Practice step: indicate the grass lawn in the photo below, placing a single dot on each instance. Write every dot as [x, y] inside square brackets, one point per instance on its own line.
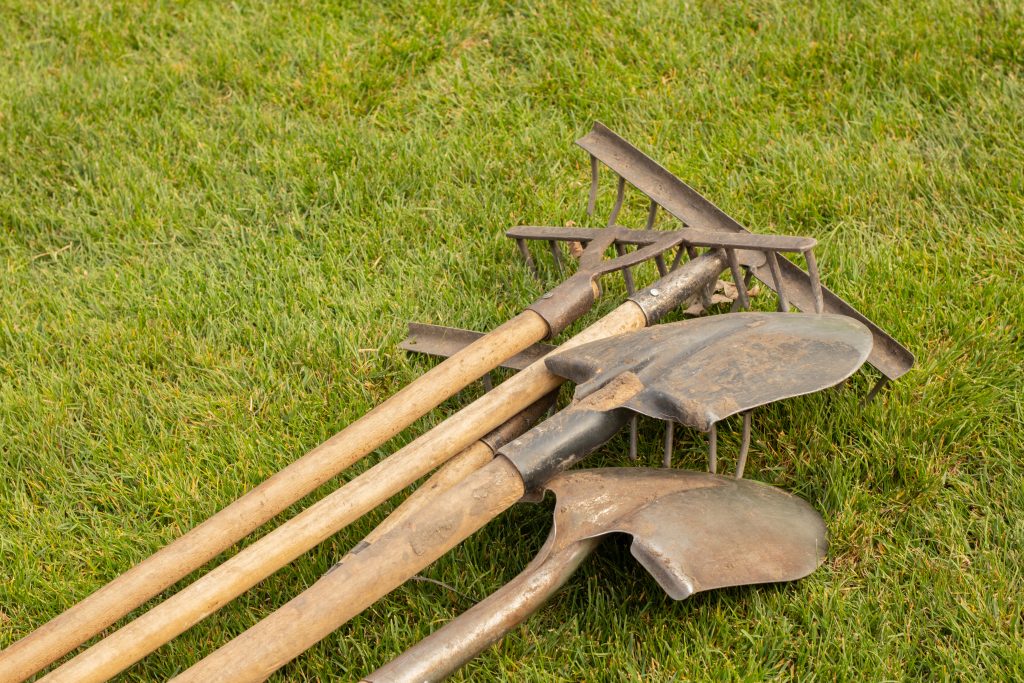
[216, 219]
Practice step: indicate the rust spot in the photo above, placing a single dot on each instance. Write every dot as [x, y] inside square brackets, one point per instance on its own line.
[612, 395]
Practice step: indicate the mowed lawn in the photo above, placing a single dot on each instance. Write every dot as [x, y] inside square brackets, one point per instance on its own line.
[216, 219]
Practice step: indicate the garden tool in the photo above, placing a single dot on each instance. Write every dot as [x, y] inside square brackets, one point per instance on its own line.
[692, 531]
[727, 247]
[699, 371]
[371, 488]
[546, 318]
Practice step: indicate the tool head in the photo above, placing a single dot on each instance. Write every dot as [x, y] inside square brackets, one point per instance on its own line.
[697, 372]
[692, 531]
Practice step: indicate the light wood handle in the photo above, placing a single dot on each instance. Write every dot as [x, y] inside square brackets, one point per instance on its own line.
[440, 482]
[362, 579]
[194, 549]
[329, 515]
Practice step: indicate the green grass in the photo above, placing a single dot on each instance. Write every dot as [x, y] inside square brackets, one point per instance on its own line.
[215, 220]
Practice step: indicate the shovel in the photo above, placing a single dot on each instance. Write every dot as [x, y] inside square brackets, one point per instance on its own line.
[692, 531]
[546, 318]
[695, 372]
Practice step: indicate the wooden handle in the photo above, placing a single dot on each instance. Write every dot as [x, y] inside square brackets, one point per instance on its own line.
[426, 496]
[362, 579]
[194, 549]
[328, 516]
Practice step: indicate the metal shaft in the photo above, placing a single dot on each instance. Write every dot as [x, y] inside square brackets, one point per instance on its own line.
[449, 648]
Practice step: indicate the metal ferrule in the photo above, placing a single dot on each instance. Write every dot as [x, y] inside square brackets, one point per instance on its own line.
[681, 285]
[564, 304]
[559, 443]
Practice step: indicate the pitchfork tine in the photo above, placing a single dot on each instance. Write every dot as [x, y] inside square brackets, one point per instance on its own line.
[741, 463]
[666, 460]
[713, 449]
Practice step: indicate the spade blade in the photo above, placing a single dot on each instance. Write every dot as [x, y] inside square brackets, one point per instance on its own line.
[697, 372]
[691, 530]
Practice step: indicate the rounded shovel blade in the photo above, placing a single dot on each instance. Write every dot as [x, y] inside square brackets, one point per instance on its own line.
[697, 372]
[691, 530]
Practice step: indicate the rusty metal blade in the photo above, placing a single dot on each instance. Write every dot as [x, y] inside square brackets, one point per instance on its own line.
[697, 372]
[693, 531]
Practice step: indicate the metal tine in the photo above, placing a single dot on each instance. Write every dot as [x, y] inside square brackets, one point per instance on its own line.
[879, 385]
[812, 270]
[556, 253]
[633, 423]
[592, 201]
[748, 275]
[773, 265]
[627, 272]
[670, 428]
[741, 289]
[741, 463]
[652, 213]
[713, 449]
[679, 257]
[620, 193]
[525, 251]
[659, 261]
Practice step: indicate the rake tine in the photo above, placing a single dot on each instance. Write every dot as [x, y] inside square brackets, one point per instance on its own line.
[812, 270]
[652, 213]
[620, 193]
[741, 290]
[744, 445]
[748, 276]
[592, 200]
[627, 272]
[677, 259]
[556, 254]
[525, 252]
[879, 385]
[659, 261]
[773, 265]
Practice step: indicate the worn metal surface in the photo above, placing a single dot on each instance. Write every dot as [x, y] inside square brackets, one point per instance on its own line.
[697, 372]
[684, 203]
[692, 531]
[694, 372]
[685, 283]
[566, 302]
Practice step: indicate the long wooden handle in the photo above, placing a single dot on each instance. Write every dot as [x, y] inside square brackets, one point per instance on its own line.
[349, 502]
[426, 496]
[329, 515]
[194, 549]
[362, 579]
